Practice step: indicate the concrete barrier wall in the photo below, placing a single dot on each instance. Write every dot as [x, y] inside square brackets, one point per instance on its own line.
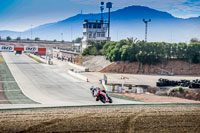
[78, 75]
[79, 67]
[108, 88]
[45, 61]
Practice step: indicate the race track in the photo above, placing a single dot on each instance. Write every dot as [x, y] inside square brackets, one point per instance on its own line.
[40, 83]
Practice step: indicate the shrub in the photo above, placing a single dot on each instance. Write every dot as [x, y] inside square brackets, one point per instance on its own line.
[180, 89]
[146, 52]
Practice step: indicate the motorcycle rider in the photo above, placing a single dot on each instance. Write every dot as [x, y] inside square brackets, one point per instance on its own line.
[95, 92]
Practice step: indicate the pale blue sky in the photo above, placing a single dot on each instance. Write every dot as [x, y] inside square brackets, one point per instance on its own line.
[19, 15]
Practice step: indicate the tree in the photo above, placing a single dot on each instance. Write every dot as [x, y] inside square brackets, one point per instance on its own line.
[85, 51]
[55, 40]
[8, 38]
[194, 40]
[132, 51]
[193, 54]
[28, 39]
[108, 47]
[37, 39]
[124, 53]
[18, 38]
[181, 51]
[77, 40]
[93, 50]
[145, 52]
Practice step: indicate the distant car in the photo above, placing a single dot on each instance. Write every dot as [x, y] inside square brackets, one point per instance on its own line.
[18, 52]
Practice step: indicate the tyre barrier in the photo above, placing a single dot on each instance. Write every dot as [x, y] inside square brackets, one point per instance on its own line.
[184, 83]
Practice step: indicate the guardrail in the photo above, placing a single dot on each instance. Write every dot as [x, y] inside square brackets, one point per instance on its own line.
[85, 69]
[78, 75]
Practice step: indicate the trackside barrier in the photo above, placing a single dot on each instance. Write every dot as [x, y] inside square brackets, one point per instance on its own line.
[43, 60]
[78, 75]
[85, 69]
[29, 49]
[108, 88]
[6, 48]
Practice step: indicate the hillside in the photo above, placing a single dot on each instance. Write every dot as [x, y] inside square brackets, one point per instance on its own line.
[178, 67]
[125, 23]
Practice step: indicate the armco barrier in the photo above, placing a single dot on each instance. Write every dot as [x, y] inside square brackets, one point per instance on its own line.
[78, 75]
[85, 69]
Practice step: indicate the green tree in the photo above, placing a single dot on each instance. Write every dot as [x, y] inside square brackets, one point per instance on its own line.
[194, 40]
[124, 53]
[93, 50]
[108, 47]
[18, 38]
[181, 51]
[193, 53]
[37, 39]
[85, 52]
[77, 40]
[132, 51]
[8, 38]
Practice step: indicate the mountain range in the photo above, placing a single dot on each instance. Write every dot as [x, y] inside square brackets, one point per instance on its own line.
[126, 22]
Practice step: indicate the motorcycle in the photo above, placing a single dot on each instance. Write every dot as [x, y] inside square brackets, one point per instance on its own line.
[102, 96]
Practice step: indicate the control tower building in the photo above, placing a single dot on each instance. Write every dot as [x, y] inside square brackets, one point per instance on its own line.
[95, 30]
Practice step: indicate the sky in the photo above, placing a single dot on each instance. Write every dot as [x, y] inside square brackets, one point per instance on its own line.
[19, 15]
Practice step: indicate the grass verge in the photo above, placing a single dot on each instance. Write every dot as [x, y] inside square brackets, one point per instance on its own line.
[36, 59]
[11, 90]
[2, 59]
[123, 97]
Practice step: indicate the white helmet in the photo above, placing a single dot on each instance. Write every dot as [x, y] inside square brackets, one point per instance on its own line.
[92, 87]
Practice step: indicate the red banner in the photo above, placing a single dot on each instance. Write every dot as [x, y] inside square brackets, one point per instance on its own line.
[40, 50]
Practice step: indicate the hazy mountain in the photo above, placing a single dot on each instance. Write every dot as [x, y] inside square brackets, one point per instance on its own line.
[126, 22]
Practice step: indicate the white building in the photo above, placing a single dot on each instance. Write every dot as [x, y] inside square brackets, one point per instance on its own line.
[94, 31]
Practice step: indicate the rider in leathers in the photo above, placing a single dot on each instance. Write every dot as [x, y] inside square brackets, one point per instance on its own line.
[95, 92]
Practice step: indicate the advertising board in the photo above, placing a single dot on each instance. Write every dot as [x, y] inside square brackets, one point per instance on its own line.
[6, 48]
[31, 49]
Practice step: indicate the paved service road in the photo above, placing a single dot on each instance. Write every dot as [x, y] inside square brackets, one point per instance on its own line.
[44, 85]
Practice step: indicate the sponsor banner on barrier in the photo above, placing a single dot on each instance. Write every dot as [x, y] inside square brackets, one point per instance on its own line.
[31, 49]
[6, 48]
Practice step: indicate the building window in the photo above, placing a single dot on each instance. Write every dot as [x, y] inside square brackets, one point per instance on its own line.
[90, 35]
[90, 25]
[94, 35]
[98, 34]
[102, 34]
[94, 26]
[99, 26]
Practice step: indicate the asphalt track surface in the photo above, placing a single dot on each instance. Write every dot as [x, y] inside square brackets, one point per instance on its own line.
[50, 88]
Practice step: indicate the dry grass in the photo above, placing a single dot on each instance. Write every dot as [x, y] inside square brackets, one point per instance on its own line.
[129, 119]
[155, 98]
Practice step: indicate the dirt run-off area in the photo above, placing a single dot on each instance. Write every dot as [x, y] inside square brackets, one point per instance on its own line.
[137, 118]
[151, 98]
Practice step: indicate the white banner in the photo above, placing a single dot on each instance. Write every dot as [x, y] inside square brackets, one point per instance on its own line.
[6, 48]
[31, 49]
